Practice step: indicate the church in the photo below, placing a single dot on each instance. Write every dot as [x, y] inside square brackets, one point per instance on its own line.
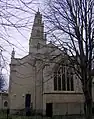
[42, 82]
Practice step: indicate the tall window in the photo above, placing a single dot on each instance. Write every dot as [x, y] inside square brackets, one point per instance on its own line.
[63, 79]
[38, 32]
[39, 21]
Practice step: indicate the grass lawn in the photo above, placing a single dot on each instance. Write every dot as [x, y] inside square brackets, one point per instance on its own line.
[13, 117]
[4, 116]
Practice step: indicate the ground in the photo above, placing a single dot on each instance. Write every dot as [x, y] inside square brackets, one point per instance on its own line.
[3, 115]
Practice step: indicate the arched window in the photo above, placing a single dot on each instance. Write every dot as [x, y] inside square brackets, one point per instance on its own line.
[38, 46]
[63, 79]
[5, 104]
[38, 32]
[39, 21]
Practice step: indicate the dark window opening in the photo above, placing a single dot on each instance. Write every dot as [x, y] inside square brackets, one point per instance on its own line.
[38, 46]
[72, 87]
[59, 83]
[38, 33]
[68, 84]
[55, 83]
[63, 82]
[39, 21]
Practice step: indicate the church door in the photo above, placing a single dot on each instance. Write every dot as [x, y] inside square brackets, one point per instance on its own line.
[49, 110]
[27, 104]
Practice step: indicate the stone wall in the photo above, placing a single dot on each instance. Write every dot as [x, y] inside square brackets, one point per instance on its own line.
[68, 103]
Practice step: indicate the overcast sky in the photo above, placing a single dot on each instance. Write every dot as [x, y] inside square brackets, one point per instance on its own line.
[17, 38]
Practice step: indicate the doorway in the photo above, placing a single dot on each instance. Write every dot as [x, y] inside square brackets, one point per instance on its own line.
[49, 110]
[27, 104]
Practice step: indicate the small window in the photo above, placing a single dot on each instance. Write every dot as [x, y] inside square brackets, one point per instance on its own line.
[38, 46]
[38, 32]
[39, 21]
[5, 104]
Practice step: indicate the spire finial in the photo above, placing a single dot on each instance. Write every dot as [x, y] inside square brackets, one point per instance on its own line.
[38, 9]
[13, 53]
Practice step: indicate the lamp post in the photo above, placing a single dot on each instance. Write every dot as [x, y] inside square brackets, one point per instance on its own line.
[1, 101]
[42, 91]
[35, 87]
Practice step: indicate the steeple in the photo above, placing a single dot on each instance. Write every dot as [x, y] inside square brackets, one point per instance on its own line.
[13, 54]
[37, 35]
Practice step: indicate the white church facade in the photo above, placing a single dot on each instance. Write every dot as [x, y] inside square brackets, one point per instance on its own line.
[42, 80]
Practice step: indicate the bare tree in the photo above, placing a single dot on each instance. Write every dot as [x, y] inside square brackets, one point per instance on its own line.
[72, 28]
[2, 78]
[15, 18]
[2, 82]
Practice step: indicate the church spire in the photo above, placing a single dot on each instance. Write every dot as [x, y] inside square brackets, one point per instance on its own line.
[13, 53]
[38, 18]
[37, 35]
[38, 9]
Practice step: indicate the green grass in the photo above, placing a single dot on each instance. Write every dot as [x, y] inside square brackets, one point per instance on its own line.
[14, 117]
[3, 115]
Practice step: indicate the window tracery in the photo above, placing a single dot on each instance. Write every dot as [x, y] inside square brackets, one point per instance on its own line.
[63, 79]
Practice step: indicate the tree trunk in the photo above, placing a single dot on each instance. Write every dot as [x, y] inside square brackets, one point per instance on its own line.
[88, 101]
[89, 109]
[87, 90]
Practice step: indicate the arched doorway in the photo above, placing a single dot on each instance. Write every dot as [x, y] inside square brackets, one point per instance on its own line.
[5, 104]
[27, 104]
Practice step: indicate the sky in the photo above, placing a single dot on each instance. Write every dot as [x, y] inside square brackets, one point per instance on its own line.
[18, 13]
[16, 20]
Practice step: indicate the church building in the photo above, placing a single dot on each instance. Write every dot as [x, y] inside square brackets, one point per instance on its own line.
[42, 82]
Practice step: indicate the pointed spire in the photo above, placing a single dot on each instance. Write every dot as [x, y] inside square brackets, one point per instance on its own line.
[38, 9]
[37, 34]
[38, 18]
[38, 13]
[13, 53]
